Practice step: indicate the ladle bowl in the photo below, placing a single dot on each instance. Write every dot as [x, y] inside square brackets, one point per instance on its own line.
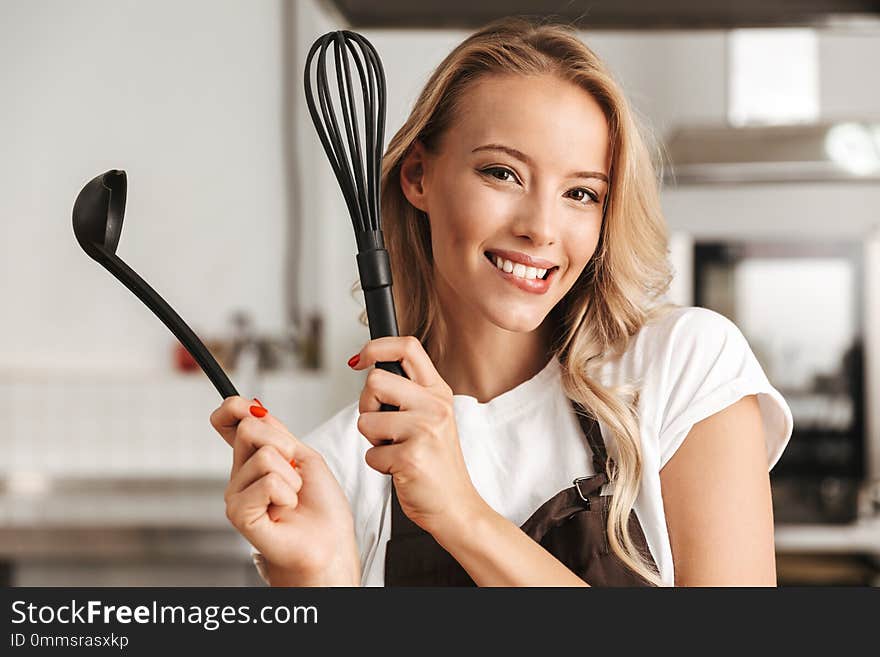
[97, 223]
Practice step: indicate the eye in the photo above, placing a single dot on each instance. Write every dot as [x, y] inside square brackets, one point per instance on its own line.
[500, 173]
[584, 194]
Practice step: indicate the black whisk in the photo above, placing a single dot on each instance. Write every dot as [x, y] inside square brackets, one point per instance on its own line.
[357, 162]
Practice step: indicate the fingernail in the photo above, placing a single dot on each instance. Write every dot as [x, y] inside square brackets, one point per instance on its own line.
[259, 402]
[292, 463]
[354, 360]
[258, 411]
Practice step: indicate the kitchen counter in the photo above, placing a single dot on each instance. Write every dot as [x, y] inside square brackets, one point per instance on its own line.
[163, 532]
[113, 502]
[862, 537]
[177, 521]
[116, 518]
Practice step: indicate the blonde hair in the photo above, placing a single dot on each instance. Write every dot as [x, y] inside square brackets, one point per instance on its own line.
[620, 288]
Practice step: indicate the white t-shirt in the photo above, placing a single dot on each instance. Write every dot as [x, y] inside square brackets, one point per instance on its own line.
[526, 445]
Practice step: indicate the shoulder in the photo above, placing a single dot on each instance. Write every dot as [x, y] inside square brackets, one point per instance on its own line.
[691, 352]
[683, 338]
[693, 362]
[696, 347]
[691, 327]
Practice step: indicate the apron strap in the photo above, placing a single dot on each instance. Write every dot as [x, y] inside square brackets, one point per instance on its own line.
[590, 427]
[401, 525]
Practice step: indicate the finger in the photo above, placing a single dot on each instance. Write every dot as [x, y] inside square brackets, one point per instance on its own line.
[278, 424]
[250, 507]
[268, 417]
[384, 458]
[265, 460]
[382, 428]
[252, 433]
[385, 387]
[406, 349]
[225, 419]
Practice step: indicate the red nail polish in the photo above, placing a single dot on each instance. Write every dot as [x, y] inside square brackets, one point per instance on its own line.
[258, 411]
[259, 402]
[292, 463]
[354, 360]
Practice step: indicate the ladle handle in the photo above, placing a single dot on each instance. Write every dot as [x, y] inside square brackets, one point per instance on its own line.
[128, 277]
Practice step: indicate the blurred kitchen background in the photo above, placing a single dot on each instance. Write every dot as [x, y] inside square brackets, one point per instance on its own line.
[768, 114]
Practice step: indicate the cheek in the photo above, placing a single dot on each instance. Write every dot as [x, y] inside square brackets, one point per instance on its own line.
[582, 238]
[465, 215]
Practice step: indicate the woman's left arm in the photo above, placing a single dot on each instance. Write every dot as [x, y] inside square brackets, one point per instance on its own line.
[716, 495]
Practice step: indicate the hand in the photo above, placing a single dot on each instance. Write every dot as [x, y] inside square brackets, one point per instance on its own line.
[425, 459]
[283, 498]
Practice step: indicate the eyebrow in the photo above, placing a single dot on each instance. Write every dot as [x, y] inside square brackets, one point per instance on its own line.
[525, 158]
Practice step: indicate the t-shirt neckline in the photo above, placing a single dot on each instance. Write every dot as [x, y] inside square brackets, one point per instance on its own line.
[515, 400]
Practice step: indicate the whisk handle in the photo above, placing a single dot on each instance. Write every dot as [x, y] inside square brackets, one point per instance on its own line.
[374, 269]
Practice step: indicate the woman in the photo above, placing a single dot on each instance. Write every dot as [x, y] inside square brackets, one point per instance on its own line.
[540, 437]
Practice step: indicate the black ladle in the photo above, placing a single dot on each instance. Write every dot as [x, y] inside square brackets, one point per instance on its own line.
[97, 224]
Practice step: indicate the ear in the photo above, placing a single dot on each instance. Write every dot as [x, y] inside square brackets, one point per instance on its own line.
[412, 176]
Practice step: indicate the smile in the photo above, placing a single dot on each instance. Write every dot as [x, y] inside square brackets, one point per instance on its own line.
[529, 279]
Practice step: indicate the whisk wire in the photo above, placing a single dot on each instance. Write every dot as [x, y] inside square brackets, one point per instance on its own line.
[377, 120]
[349, 114]
[356, 162]
[369, 95]
[328, 129]
[380, 117]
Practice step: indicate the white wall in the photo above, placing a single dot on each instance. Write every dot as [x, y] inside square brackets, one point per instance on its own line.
[185, 97]
[848, 77]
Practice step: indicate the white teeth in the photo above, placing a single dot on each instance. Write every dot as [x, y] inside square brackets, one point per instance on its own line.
[519, 269]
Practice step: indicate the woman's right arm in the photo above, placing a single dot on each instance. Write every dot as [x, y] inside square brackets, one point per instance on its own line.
[284, 500]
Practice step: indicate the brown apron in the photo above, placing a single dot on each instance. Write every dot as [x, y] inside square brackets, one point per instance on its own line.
[571, 526]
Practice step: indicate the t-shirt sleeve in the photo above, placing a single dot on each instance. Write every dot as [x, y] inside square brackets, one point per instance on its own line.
[260, 564]
[709, 365]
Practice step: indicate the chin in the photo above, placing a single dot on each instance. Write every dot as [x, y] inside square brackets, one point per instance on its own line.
[517, 322]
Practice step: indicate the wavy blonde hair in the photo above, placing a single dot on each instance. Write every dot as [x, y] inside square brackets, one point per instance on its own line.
[620, 288]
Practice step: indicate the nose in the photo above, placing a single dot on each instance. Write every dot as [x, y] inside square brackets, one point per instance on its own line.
[536, 219]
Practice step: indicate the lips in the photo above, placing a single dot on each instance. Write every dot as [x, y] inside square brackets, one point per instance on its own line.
[531, 285]
[537, 264]
[522, 258]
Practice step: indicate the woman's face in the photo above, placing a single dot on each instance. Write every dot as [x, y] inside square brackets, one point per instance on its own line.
[521, 173]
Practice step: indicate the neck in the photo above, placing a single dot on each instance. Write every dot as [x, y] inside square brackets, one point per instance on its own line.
[484, 361]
